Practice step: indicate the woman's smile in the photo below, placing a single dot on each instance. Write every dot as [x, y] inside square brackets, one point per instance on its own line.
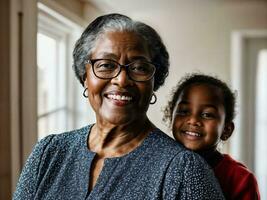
[119, 99]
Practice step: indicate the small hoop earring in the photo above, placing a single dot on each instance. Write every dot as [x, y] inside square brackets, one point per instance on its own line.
[155, 99]
[84, 92]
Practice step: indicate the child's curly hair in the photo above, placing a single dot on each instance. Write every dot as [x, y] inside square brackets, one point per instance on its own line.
[229, 100]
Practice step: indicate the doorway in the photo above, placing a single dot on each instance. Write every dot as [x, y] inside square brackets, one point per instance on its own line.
[249, 78]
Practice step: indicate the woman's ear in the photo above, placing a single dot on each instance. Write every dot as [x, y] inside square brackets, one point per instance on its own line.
[227, 131]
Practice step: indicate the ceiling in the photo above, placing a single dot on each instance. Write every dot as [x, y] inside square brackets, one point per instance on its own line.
[128, 5]
[149, 5]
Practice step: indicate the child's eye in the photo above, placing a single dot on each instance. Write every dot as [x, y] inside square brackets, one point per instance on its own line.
[182, 112]
[208, 115]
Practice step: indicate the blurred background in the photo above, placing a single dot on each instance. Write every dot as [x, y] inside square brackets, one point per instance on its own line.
[39, 94]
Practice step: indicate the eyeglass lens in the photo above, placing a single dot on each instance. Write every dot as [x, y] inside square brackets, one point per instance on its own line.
[138, 70]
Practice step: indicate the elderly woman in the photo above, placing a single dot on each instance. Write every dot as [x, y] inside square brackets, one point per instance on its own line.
[120, 62]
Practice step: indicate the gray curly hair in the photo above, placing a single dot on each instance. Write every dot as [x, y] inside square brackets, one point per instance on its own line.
[117, 22]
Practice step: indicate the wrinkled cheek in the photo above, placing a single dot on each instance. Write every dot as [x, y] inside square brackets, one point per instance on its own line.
[95, 102]
[146, 97]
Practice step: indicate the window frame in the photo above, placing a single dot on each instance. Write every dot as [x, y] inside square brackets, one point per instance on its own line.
[64, 31]
[243, 146]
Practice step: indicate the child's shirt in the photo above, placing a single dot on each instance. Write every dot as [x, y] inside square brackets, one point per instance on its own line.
[236, 181]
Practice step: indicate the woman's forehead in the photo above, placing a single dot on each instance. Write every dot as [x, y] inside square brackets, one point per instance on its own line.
[111, 42]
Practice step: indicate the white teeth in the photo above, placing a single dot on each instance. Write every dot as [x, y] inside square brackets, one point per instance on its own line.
[119, 97]
[193, 134]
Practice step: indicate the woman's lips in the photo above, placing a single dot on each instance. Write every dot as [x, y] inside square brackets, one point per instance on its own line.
[120, 99]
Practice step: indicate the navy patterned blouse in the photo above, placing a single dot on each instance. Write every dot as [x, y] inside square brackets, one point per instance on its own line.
[59, 168]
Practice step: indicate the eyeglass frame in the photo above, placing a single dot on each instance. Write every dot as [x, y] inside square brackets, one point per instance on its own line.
[93, 61]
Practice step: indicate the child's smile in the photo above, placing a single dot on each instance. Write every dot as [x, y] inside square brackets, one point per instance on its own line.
[201, 111]
[191, 135]
[198, 118]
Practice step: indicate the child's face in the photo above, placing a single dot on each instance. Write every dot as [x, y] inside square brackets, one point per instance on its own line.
[198, 117]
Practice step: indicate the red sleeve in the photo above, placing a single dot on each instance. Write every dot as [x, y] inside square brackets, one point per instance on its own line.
[246, 188]
[236, 181]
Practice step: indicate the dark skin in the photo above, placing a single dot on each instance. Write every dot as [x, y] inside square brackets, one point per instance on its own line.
[121, 123]
[199, 119]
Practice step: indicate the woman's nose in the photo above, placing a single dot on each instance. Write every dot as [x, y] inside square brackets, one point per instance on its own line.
[122, 79]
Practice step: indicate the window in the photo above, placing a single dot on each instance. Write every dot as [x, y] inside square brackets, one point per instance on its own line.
[52, 104]
[60, 102]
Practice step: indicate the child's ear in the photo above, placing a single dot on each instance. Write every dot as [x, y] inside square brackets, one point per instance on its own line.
[227, 131]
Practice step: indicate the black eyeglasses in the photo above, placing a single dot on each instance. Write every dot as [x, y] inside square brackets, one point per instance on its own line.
[138, 70]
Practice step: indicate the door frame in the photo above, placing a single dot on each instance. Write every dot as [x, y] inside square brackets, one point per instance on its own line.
[242, 143]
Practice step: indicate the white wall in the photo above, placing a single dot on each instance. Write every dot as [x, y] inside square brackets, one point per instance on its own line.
[196, 33]
[90, 12]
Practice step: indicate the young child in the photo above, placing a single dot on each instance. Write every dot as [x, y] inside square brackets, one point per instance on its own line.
[201, 113]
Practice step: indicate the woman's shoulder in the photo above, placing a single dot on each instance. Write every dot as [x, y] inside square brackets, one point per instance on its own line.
[63, 141]
[67, 137]
[182, 158]
[187, 172]
[166, 144]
